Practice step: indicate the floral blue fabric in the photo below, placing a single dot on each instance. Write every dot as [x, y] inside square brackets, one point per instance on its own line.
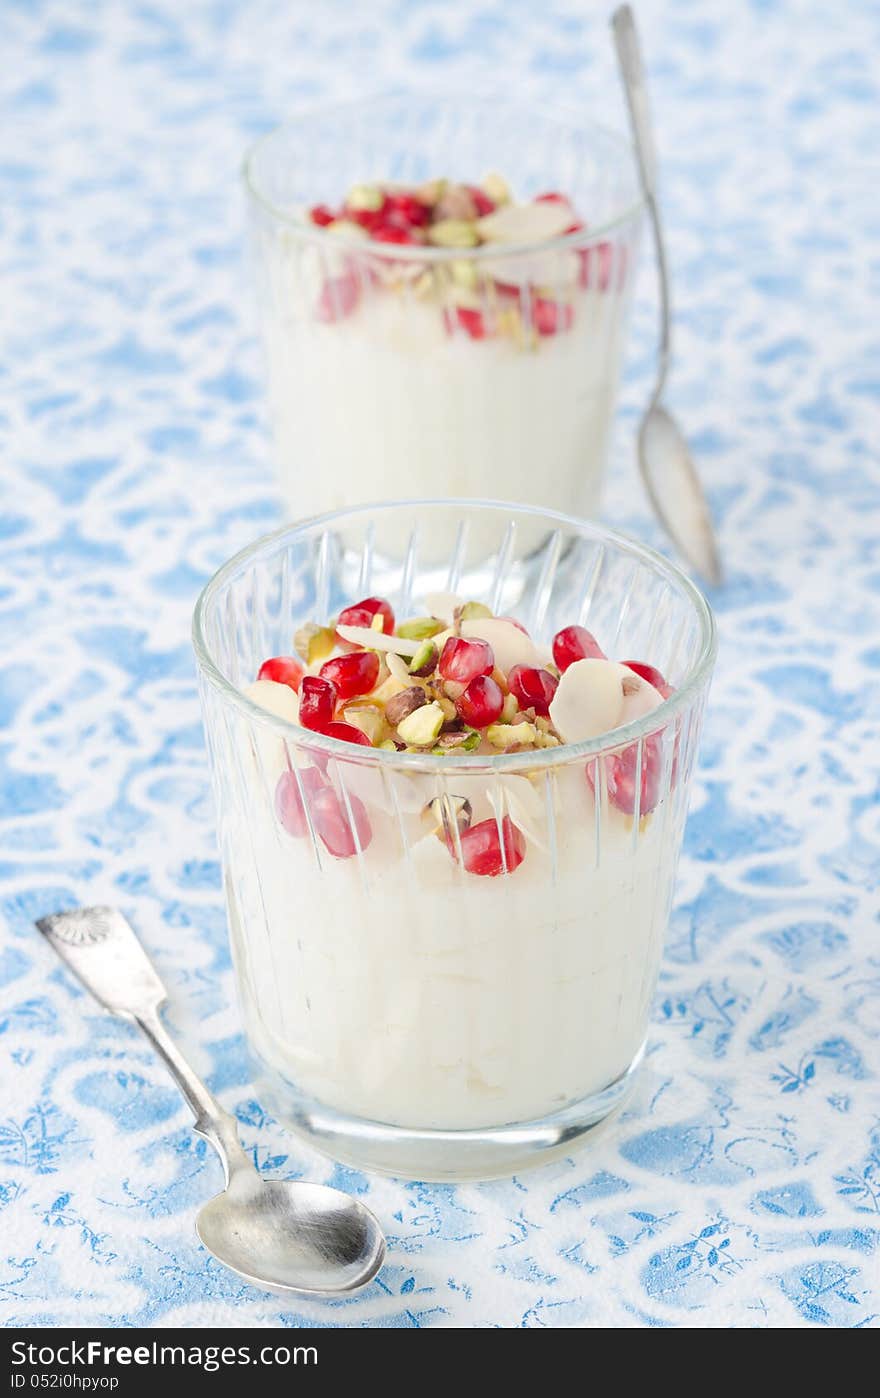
[742, 1186]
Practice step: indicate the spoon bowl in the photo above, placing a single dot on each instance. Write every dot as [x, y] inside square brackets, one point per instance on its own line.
[291, 1236]
[673, 487]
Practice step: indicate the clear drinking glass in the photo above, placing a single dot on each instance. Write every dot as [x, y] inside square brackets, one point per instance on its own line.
[407, 1015]
[399, 372]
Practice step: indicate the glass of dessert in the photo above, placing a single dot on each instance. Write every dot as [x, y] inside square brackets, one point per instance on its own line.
[443, 289]
[449, 821]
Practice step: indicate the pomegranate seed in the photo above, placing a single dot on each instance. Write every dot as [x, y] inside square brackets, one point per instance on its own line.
[463, 660]
[339, 298]
[317, 700]
[620, 776]
[347, 733]
[470, 320]
[288, 800]
[597, 266]
[551, 197]
[481, 847]
[352, 674]
[391, 233]
[551, 317]
[651, 674]
[283, 669]
[407, 210]
[532, 688]
[331, 821]
[576, 227]
[367, 218]
[482, 203]
[362, 613]
[575, 643]
[322, 215]
[481, 703]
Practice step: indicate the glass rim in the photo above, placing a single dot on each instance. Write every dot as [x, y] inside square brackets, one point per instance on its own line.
[539, 759]
[309, 232]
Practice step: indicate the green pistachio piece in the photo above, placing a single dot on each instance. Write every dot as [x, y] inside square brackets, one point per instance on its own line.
[314, 643]
[421, 727]
[474, 611]
[420, 628]
[503, 735]
[453, 233]
[424, 662]
[509, 709]
[367, 197]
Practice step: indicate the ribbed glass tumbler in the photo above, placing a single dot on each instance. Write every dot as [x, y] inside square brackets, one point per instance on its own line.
[407, 1015]
[403, 370]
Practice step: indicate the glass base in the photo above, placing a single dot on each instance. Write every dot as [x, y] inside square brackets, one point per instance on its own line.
[442, 1156]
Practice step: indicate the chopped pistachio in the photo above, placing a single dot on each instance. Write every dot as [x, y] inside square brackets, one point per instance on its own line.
[547, 740]
[448, 707]
[456, 742]
[347, 228]
[420, 628]
[314, 643]
[424, 662]
[422, 726]
[368, 718]
[509, 709]
[465, 274]
[403, 704]
[503, 735]
[497, 188]
[432, 191]
[453, 233]
[473, 611]
[367, 197]
[389, 745]
[445, 812]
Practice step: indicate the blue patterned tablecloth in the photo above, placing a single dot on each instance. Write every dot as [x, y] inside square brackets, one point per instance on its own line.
[742, 1187]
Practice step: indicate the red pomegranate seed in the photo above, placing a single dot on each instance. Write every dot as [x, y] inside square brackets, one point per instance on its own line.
[347, 733]
[367, 218]
[481, 847]
[575, 643]
[317, 700]
[391, 233]
[283, 669]
[651, 674]
[551, 317]
[352, 674]
[339, 298]
[551, 197]
[481, 703]
[482, 203]
[407, 210]
[463, 660]
[532, 688]
[331, 820]
[597, 266]
[620, 776]
[288, 800]
[322, 215]
[470, 320]
[362, 613]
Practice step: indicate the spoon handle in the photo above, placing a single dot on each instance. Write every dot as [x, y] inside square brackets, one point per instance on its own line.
[102, 950]
[629, 58]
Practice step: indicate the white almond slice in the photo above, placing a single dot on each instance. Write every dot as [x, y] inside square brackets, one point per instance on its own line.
[555, 271]
[398, 668]
[277, 699]
[525, 223]
[377, 640]
[442, 604]
[510, 646]
[589, 700]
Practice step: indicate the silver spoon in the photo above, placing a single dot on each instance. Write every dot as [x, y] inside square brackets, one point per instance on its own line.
[284, 1236]
[665, 463]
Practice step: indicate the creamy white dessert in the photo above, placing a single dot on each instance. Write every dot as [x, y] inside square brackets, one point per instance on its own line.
[486, 375]
[449, 950]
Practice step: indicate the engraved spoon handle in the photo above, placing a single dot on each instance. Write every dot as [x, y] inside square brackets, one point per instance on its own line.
[102, 950]
[629, 58]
